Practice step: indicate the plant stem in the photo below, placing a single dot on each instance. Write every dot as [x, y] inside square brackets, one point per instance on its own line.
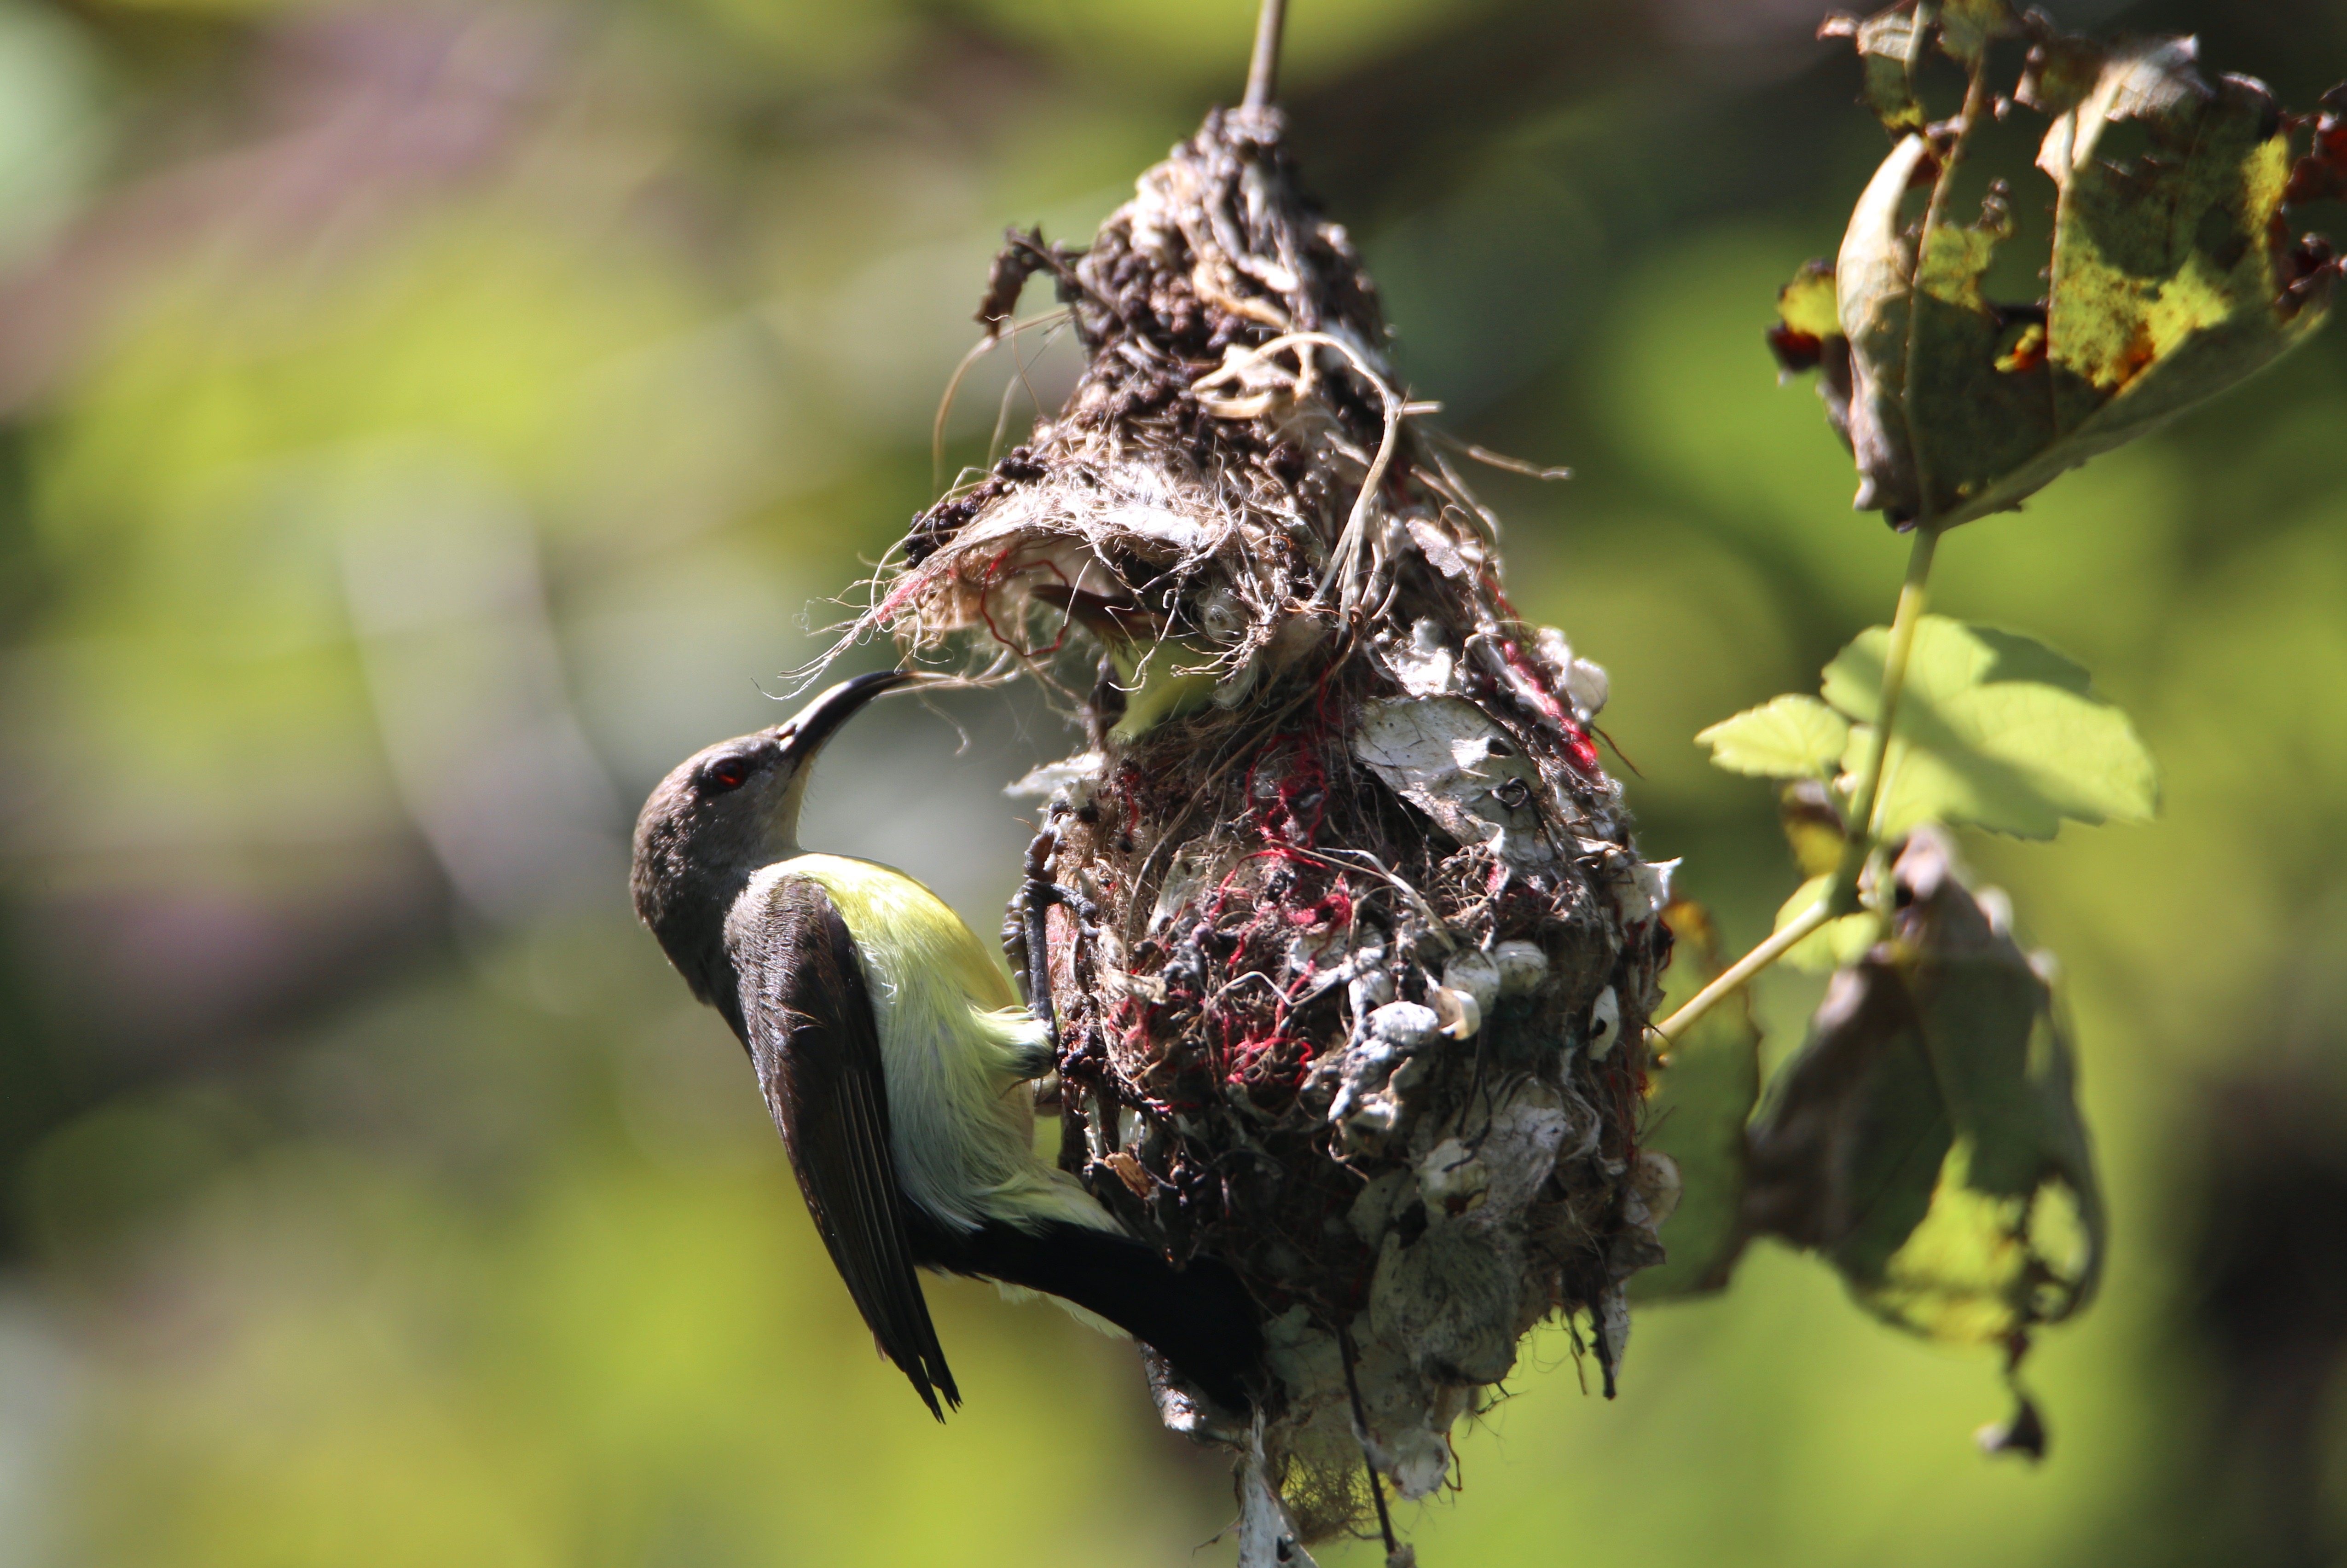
[1361, 1435]
[1842, 895]
[1866, 800]
[1732, 979]
[1862, 824]
[1263, 70]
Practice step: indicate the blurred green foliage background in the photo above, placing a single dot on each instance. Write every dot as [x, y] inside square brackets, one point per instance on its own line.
[425, 421]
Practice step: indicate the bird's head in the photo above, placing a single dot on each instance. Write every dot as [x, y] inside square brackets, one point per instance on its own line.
[727, 810]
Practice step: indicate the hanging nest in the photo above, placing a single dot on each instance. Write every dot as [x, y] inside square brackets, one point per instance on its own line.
[1353, 959]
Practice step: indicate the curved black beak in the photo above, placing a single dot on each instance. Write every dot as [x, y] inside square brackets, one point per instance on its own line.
[804, 735]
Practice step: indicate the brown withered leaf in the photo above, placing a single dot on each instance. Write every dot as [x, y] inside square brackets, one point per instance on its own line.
[1926, 1138]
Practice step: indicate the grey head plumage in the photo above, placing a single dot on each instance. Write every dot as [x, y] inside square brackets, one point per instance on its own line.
[720, 815]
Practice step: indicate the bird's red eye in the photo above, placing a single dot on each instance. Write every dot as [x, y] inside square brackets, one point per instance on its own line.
[726, 773]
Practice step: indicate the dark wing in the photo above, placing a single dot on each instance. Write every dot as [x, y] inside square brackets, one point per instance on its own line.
[807, 1018]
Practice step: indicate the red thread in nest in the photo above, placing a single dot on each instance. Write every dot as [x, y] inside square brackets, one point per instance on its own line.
[1128, 785]
[1233, 1058]
[911, 586]
[1239, 1041]
[992, 578]
[1299, 802]
[1334, 907]
[1577, 743]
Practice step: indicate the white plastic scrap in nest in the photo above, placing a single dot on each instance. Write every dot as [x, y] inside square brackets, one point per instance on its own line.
[1445, 756]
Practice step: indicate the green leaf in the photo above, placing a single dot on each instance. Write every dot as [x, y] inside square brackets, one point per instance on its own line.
[1837, 942]
[1703, 1091]
[2171, 276]
[1807, 305]
[1926, 1136]
[1994, 730]
[1967, 27]
[1787, 737]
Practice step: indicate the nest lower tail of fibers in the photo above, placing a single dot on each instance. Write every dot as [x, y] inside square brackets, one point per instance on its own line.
[1354, 991]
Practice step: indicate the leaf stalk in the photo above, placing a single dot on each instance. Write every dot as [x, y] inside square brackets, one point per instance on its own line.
[1733, 978]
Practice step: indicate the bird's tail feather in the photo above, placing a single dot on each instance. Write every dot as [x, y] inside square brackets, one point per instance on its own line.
[1199, 1318]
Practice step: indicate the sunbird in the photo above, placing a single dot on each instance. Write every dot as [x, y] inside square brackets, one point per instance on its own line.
[894, 1056]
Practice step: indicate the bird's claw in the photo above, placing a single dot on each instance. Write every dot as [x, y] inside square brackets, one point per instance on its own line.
[1026, 939]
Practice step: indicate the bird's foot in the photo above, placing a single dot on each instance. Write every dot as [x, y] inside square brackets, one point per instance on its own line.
[1026, 937]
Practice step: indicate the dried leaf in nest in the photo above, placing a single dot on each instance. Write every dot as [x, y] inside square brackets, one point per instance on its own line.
[2172, 275]
[1358, 992]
